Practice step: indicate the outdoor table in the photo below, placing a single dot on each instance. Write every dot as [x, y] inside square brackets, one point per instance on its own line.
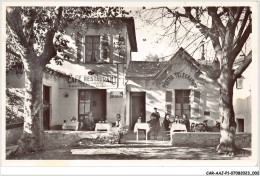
[103, 126]
[141, 126]
[70, 126]
[178, 127]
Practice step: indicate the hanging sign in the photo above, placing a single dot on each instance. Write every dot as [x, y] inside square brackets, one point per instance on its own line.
[116, 94]
[176, 76]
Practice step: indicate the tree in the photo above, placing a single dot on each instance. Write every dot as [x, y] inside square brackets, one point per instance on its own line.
[33, 32]
[151, 57]
[227, 29]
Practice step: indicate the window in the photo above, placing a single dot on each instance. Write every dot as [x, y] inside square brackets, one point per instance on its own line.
[182, 102]
[92, 52]
[169, 101]
[207, 113]
[196, 103]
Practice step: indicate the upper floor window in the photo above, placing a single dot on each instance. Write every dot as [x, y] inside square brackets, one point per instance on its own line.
[92, 52]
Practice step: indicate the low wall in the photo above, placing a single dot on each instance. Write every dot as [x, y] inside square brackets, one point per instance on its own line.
[13, 133]
[59, 139]
[206, 139]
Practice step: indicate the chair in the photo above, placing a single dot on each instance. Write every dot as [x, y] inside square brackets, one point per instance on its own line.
[165, 134]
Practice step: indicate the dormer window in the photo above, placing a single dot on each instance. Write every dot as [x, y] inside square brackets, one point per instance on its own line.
[92, 51]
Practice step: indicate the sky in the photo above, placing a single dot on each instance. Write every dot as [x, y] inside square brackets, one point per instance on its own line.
[148, 42]
[148, 35]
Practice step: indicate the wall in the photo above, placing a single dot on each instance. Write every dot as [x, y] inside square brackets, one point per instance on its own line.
[68, 105]
[115, 105]
[242, 101]
[204, 139]
[64, 139]
[13, 135]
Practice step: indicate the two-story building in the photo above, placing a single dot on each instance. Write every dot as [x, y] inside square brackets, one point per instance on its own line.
[91, 77]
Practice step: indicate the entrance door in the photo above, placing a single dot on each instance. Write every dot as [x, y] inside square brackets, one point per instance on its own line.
[98, 104]
[137, 107]
[46, 107]
[240, 125]
[92, 101]
[182, 102]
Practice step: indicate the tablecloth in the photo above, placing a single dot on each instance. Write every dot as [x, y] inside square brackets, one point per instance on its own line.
[103, 126]
[70, 126]
[178, 127]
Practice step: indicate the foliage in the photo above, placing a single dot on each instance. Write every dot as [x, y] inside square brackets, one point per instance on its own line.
[192, 27]
[14, 105]
[152, 57]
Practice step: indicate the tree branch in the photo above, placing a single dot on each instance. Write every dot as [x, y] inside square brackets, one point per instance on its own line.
[225, 10]
[49, 50]
[238, 72]
[212, 11]
[241, 30]
[241, 42]
[207, 32]
[14, 20]
[237, 15]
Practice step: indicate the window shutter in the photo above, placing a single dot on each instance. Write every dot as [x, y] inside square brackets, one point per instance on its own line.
[168, 97]
[195, 106]
[119, 47]
[79, 45]
[104, 47]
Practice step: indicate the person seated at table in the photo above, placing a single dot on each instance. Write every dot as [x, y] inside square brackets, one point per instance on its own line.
[153, 127]
[81, 123]
[89, 122]
[166, 122]
[192, 127]
[186, 122]
[64, 124]
[118, 121]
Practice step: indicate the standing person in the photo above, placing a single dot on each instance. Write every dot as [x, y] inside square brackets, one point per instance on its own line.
[156, 114]
[186, 122]
[120, 127]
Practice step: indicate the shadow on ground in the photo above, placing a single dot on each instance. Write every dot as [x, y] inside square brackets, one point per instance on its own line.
[123, 152]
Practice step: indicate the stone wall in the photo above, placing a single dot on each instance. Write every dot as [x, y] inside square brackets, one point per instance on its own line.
[59, 139]
[206, 139]
[13, 135]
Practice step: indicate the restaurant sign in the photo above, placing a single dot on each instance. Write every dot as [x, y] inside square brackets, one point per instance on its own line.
[116, 94]
[176, 76]
[92, 80]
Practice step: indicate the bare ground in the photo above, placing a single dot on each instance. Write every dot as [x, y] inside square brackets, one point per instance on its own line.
[130, 152]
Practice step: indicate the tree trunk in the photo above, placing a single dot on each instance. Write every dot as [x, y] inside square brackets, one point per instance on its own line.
[32, 137]
[227, 115]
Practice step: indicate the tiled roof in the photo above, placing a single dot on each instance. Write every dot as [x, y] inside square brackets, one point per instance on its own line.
[144, 68]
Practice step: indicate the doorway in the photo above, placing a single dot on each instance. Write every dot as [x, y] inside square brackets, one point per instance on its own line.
[46, 107]
[92, 100]
[182, 102]
[240, 125]
[137, 107]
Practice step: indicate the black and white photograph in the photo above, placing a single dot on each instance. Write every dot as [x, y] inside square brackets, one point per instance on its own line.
[130, 82]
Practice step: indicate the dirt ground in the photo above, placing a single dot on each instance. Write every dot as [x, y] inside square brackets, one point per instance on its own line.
[126, 152]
